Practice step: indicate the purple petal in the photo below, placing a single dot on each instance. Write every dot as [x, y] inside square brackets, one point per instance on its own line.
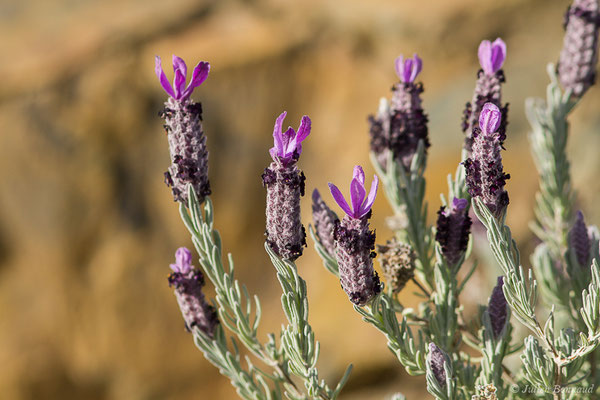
[371, 198]
[489, 118]
[339, 199]
[485, 55]
[459, 204]
[359, 174]
[164, 82]
[179, 84]
[179, 65]
[278, 140]
[183, 261]
[400, 67]
[498, 54]
[289, 141]
[357, 196]
[199, 75]
[303, 132]
[416, 68]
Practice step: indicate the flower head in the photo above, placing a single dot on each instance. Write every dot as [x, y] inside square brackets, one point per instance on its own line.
[492, 55]
[436, 358]
[580, 240]
[497, 308]
[288, 144]
[361, 203]
[490, 118]
[408, 69]
[183, 261]
[178, 91]
[453, 229]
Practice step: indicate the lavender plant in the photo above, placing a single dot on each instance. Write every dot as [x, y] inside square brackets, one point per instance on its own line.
[461, 357]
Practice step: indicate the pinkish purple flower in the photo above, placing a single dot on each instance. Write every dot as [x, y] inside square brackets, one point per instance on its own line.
[183, 261]
[361, 204]
[288, 144]
[408, 69]
[497, 308]
[492, 55]
[188, 283]
[436, 358]
[490, 118]
[179, 91]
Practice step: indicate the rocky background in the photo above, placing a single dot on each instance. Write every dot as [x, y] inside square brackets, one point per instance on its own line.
[88, 228]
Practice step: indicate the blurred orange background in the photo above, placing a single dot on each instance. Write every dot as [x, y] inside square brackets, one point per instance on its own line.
[88, 228]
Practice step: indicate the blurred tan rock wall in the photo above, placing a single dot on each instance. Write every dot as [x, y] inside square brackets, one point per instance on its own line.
[88, 228]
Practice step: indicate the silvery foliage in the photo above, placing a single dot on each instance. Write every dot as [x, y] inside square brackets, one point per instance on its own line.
[297, 353]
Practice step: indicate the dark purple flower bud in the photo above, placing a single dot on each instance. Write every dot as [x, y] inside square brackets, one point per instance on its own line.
[187, 147]
[580, 241]
[487, 90]
[188, 283]
[407, 70]
[485, 176]
[285, 185]
[398, 264]
[361, 203]
[491, 55]
[324, 219]
[436, 358]
[400, 127]
[497, 308]
[178, 91]
[354, 243]
[453, 228]
[579, 55]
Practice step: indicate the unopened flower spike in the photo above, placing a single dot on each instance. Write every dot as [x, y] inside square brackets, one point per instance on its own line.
[488, 89]
[436, 358]
[354, 242]
[325, 220]
[398, 264]
[183, 123]
[497, 308]
[188, 283]
[285, 185]
[453, 229]
[485, 175]
[580, 241]
[579, 55]
[399, 127]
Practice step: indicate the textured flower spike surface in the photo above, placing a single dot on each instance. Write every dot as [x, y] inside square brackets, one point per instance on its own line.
[285, 185]
[580, 241]
[398, 264]
[453, 229]
[436, 358]
[579, 55]
[325, 220]
[488, 89]
[399, 127]
[188, 283]
[354, 241]
[485, 174]
[497, 308]
[183, 123]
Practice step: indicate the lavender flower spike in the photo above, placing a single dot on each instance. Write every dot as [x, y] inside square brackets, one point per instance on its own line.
[188, 284]
[178, 91]
[491, 55]
[497, 308]
[400, 127]
[436, 358]
[579, 55]
[354, 241]
[408, 69]
[580, 241]
[183, 123]
[325, 220]
[285, 185]
[453, 229]
[485, 176]
[488, 89]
